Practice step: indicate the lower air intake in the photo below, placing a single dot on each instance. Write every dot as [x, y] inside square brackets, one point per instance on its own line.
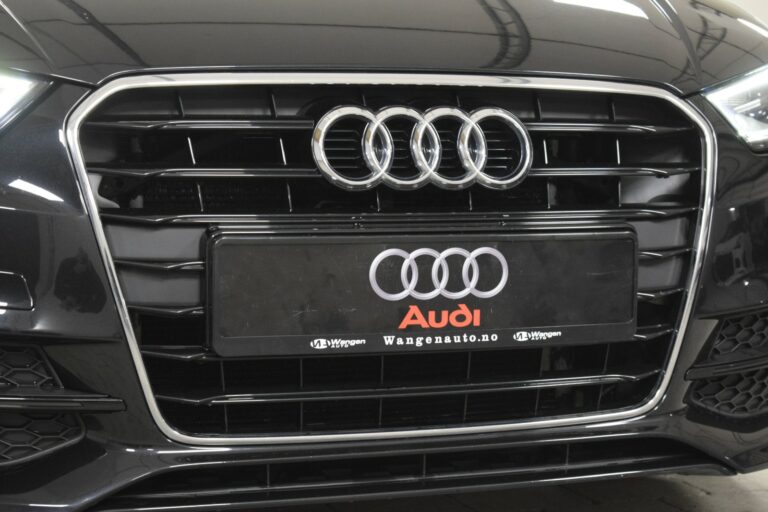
[26, 374]
[253, 484]
[740, 338]
[24, 366]
[736, 396]
[26, 436]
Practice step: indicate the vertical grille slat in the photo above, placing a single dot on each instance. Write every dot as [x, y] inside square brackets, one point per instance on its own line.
[167, 165]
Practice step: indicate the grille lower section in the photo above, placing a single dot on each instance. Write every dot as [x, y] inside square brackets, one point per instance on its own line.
[167, 164]
[250, 484]
[211, 394]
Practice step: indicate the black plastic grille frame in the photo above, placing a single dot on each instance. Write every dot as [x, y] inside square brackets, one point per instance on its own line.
[168, 164]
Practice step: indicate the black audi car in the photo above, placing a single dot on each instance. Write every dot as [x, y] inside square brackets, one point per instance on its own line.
[293, 251]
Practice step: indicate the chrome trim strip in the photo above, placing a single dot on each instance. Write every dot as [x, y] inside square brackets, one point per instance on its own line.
[78, 116]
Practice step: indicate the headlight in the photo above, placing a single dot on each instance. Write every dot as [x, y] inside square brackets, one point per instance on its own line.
[16, 93]
[744, 103]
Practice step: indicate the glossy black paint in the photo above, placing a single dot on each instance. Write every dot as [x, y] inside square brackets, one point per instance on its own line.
[740, 226]
[49, 240]
[686, 45]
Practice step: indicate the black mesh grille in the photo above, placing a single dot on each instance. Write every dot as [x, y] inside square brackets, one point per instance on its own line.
[730, 385]
[740, 338]
[24, 366]
[738, 395]
[169, 164]
[367, 392]
[25, 372]
[24, 436]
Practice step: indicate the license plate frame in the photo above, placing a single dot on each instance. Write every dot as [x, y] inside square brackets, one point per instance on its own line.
[226, 339]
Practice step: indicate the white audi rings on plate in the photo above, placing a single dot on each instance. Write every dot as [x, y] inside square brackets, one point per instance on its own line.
[378, 148]
[409, 273]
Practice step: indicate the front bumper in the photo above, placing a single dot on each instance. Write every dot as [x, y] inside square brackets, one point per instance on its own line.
[76, 322]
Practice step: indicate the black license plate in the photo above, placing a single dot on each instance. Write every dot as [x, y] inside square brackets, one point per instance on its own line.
[314, 295]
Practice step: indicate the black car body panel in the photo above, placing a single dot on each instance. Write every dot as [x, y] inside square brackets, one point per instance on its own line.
[685, 45]
[50, 240]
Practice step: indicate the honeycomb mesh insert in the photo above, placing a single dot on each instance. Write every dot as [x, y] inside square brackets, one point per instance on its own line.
[739, 395]
[24, 367]
[741, 337]
[25, 436]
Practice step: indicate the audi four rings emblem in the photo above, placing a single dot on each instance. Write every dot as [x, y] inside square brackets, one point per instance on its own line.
[378, 148]
[409, 273]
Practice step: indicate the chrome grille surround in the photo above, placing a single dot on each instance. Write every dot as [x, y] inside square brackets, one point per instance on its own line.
[77, 118]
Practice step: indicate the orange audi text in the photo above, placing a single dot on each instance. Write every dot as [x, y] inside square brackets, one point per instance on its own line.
[462, 316]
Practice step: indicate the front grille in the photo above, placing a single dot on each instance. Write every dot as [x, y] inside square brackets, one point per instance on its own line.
[168, 163]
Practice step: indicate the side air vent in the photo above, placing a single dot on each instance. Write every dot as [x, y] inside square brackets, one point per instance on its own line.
[26, 436]
[24, 367]
[737, 396]
[730, 382]
[37, 413]
[169, 164]
[741, 337]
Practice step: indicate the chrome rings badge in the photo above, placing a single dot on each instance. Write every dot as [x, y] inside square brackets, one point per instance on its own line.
[378, 148]
[409, 273]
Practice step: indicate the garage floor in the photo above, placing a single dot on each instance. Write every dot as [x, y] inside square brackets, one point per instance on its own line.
[747, 493]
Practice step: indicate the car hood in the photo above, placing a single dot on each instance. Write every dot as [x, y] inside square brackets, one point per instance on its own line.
[684, 45]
